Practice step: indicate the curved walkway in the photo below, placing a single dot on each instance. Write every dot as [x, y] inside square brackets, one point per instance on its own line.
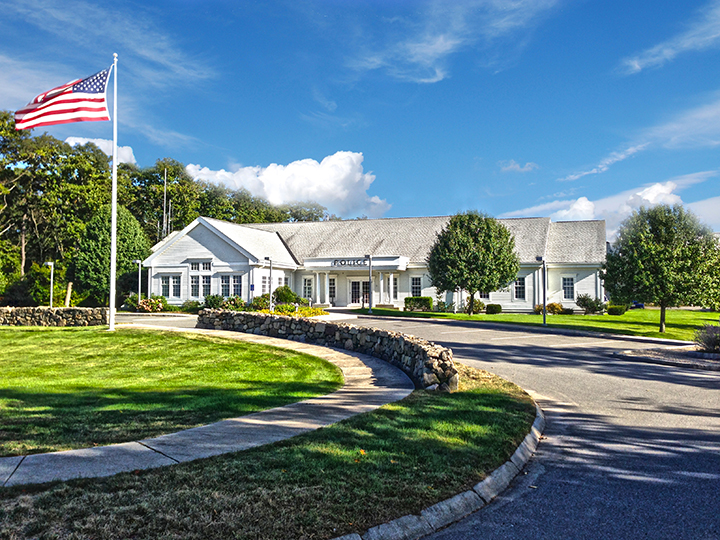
[369, 384]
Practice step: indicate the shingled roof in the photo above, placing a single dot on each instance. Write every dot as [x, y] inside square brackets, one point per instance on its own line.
[574, 241]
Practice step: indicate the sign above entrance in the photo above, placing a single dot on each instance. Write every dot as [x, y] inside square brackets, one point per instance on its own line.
[349, 262]
[380, 263]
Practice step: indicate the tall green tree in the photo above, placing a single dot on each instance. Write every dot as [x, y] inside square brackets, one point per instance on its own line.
[663, 255]
[475, 253]
[91, 265]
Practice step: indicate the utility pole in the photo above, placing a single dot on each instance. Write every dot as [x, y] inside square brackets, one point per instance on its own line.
[164, 229]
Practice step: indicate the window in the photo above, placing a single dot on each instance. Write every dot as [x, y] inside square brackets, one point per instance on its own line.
[416, 286]
[225, 285]
[331, 287]
[264, 284]
[287, 281]
[237, 285]
[280, 281]
[307, 287]
[568, 285]
[485, 296]
[206, 285]
[206, 266]
[176, 286]
[194, 267]
[195, 286]
[520, 288]
[165, 282]
[366, 291]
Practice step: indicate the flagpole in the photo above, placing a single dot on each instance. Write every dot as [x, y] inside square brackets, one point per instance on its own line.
[113, 218]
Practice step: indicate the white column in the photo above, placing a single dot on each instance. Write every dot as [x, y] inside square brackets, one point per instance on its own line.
[327, 288]
[391, 288]
[382, 288]
[317, 287]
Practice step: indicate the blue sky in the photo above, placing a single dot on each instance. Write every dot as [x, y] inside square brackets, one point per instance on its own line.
[568, 109]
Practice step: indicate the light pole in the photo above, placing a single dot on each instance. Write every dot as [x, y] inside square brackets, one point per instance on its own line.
[544, 278]
[271, 282]
[52, 276]
[370, 287]
[139, 263]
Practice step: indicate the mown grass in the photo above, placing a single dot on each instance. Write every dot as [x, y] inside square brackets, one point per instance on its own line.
[347, 477]
[75, 388]
[680, 324]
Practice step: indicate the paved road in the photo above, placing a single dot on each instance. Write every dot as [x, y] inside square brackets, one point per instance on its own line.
[632, 449]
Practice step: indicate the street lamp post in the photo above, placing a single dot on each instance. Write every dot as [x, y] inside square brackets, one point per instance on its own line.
[544, 282]
[370, 284]
[52, 276]
[139, 263]
[271, 283]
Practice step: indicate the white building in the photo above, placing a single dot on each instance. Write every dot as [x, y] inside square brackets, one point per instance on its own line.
[326, 261]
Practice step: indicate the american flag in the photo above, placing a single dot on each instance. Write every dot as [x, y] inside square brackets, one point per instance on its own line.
[81, 100]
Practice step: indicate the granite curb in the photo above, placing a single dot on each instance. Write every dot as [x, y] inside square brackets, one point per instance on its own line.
[694, 362]
[444, 513]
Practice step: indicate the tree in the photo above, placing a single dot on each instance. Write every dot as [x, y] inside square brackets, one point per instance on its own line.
[473, 252]
[663, 255]
[91, 265]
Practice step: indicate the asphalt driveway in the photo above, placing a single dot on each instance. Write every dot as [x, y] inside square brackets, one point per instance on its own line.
[632, 450]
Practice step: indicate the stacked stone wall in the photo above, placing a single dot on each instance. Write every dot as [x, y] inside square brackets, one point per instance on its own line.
[428, 365]
[46, 316]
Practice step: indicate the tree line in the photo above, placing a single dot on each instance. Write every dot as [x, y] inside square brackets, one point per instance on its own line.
[51, 192]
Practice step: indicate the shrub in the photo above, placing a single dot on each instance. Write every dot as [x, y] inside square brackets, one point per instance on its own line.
[131, 302]
[213, 301]
[567, 311]
[259, 303]
[285, 295]
[477, 306]
[190, 306]
[303, 311]
[444, 307]
[418, 303]
[285, 309]
[154, 304]
[616, 310]
[589, 304]
[538, 309]
[233, 303]
[493, 309]
[554, 308]
[707, 338]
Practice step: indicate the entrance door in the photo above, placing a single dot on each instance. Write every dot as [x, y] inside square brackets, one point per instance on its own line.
[354, 292]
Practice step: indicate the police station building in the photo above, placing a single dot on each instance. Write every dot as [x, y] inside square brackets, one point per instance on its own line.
[327, 261]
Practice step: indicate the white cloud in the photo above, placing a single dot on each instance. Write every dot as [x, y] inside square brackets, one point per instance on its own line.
[338, 182]
[697, 127]
[606, 162]
[419, 52]
[702, 34]
[125, 153]
[615, 208]
[513, 166]
[708, 211]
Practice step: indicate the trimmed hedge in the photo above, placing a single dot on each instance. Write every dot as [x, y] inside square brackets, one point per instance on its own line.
[493, 309]
[616, 310]
[418, 303]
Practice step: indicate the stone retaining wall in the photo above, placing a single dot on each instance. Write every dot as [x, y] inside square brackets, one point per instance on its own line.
[427, 364]
[46, 316]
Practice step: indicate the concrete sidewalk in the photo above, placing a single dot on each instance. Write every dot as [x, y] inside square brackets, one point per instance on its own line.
[369, 384]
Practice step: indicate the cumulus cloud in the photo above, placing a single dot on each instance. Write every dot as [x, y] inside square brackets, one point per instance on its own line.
[513, 166]
[338, 182]
[125, 153]
[703, 33]
[615, 208]
[708, 211]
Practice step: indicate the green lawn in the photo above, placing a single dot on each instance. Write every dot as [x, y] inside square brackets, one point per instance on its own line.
[680, 323]
[75, 388]
[344, 478]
